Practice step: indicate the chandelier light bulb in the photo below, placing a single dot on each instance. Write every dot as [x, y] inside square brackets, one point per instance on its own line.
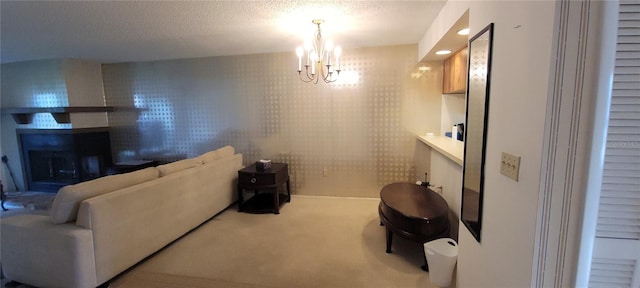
[300, 53]
[338, 53]
[314, 59]
[328, 48]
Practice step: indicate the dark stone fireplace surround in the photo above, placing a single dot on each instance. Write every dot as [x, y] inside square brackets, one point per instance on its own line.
[53, 158]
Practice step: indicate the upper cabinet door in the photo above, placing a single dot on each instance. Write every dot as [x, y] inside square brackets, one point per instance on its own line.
[455, 73]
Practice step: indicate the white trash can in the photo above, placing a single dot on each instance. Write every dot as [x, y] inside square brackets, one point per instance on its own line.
[442, 255]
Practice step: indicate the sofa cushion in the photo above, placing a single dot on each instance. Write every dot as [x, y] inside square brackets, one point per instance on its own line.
[217, 154]
[65, 206]
[174, 167]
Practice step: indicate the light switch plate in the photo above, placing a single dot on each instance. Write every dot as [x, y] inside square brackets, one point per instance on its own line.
[510, 166]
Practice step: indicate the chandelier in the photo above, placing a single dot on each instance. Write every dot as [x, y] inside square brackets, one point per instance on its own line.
[322, 60]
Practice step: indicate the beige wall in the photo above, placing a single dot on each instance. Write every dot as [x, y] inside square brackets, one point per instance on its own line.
[360, 132]
[345, 139]
[84, 88]
[520, 74]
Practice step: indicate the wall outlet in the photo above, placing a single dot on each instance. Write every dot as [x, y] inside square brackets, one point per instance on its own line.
[510, 166]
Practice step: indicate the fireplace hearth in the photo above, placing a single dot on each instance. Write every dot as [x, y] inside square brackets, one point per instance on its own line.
[53, 158]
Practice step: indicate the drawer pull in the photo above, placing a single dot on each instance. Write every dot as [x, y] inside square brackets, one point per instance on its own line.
[253, 180]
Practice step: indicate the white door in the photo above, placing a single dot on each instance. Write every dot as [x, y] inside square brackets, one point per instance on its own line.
[616, 253]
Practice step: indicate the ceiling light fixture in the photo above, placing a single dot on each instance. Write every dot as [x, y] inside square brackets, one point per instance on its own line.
[464, 31]
[320, 58]
[443, 52]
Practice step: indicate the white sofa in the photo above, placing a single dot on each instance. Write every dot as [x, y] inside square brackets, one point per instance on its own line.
[99, 228]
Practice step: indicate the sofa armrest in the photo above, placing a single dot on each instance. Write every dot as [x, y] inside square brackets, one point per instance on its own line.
[37, 252]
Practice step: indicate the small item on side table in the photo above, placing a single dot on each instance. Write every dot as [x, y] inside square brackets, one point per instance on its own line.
[263, 164]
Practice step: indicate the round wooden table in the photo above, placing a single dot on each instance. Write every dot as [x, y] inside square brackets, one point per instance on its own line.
[414, 212]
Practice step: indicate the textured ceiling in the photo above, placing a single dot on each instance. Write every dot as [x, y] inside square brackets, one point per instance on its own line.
[124, 31]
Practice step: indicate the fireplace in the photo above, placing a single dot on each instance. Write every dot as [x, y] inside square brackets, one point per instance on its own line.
[53, 158]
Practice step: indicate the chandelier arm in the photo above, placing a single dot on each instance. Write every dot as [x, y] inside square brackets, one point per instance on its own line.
[328, 78]
[310, 77]
[314, 78]
[331, 80]
[306, 78]
[302, 79]
[337, 73]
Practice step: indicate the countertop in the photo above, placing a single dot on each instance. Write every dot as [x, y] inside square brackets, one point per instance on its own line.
[450, 148]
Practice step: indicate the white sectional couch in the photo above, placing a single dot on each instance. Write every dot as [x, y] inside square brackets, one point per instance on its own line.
[98, 229]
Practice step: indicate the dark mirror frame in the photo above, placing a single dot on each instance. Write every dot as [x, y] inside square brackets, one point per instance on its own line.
[479, 59]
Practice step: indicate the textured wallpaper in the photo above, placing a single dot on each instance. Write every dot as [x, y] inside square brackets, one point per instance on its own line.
[348, 138]
[34, 84]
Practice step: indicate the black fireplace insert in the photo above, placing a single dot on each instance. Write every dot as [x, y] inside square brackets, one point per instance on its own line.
[53, 158]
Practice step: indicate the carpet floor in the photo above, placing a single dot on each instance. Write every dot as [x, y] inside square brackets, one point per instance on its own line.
[27, 203]
[314, 242]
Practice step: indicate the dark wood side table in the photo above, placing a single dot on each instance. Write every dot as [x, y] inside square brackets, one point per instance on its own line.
[271, 180]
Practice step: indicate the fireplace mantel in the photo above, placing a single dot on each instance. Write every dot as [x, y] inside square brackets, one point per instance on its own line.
[24, 115]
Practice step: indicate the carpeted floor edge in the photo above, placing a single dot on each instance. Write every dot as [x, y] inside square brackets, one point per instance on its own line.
[143, 279]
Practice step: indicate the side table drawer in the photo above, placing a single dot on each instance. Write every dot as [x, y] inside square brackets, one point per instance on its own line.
[257, 179]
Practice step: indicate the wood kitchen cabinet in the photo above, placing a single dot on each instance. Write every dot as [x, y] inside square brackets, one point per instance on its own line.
[455, 73]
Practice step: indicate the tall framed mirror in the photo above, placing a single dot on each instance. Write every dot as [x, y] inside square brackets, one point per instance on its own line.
[479, 76]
